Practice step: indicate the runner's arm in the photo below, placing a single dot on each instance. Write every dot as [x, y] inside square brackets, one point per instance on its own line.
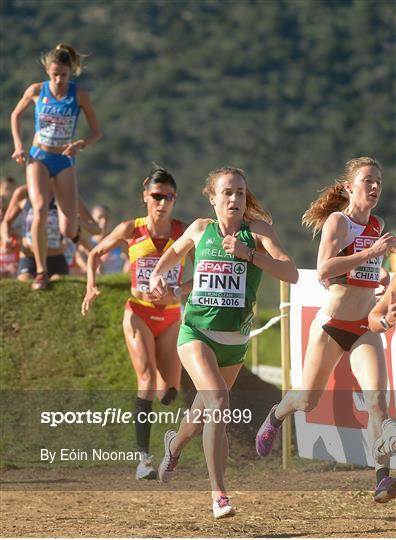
[172, 256]
[95, 134]
[117, 237]
[384, 309]
[16, 126]
[12, 212]
[334, 233]
[274, 260]
[86, 219]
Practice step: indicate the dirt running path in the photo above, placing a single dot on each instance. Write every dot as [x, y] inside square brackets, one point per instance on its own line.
[35, 506]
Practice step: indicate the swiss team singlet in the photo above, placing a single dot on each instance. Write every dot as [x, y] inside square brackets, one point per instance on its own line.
[361, 237]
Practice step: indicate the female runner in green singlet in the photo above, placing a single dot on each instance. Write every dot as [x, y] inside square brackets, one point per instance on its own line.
[231, 253]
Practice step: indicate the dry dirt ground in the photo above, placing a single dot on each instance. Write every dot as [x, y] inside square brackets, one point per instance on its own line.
[110, 503]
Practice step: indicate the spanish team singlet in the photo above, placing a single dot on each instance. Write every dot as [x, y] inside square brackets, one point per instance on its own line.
[225, 287]
[144, 253]
[359, 238]
[56, 120]
[53, 231]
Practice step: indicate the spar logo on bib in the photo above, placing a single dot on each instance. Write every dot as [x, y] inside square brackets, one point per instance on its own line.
[370, 270]
[220, 283]
[239, 268]
[144, 268]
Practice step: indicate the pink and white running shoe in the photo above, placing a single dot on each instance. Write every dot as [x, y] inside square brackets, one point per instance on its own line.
[266, 435]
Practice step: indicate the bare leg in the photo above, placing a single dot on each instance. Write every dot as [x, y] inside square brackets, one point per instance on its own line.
[25, 277]
[141, 347]
[66, 193]
[168, 361]
[189, 429]
[321, 357]
[38, 182]
[200, 362]
[369, 367]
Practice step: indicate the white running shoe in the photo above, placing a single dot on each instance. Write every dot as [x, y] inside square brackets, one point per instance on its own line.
[385, 446]
[222, 507]
[169, 462]
[145, 469]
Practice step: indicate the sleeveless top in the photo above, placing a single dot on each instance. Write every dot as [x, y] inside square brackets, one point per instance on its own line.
[53, 231]
[360, 237]
[9, 259]
[144, 253]
[56, 120]
[225, 287]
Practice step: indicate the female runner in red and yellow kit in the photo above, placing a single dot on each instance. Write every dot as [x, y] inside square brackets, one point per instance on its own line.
[151, 326]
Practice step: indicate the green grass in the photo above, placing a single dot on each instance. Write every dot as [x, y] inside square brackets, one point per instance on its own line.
[269, 348]
[47, 344]
[52, 358]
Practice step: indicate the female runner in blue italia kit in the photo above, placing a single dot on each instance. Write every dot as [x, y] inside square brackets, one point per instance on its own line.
[231, 253]
[349, 262]
[57, 105]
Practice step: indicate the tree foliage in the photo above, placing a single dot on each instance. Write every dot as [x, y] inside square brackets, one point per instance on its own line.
[286, 89]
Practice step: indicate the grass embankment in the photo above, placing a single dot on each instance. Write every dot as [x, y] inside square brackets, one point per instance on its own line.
[49, 345]
[55, 359]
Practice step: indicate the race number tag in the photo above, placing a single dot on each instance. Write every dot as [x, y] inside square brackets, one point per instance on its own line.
[144, 268]
[370, 270]
[56, 128]
[53, 232]
[220, 284]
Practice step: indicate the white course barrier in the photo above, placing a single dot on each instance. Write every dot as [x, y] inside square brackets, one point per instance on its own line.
[269, 374]
[268, 324]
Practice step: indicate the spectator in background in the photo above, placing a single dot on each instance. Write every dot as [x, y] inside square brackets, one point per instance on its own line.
[7, 187]
[9, 254]
[116, 259]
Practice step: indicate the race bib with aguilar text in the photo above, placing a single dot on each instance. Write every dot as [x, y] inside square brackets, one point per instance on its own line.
[144, 268]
